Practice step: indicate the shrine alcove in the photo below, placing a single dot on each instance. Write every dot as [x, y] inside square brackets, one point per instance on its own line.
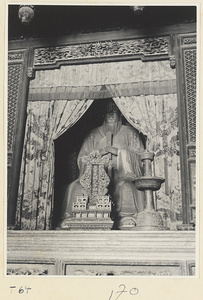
[67, 148]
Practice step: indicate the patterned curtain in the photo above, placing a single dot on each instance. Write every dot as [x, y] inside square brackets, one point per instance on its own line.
[46, 121]
[156, 117]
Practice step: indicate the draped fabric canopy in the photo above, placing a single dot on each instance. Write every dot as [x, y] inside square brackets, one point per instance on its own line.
[157, 118]
[153, 113]
[46, 121]
[91, 75]
[103, 80]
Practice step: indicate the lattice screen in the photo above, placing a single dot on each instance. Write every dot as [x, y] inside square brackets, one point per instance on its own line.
[190, 80]
[189, 69]
[14, 73]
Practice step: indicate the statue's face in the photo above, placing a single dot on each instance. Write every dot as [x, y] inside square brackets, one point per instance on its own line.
[112, 117]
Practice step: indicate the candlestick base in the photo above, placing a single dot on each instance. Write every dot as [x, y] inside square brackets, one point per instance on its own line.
[149, 221]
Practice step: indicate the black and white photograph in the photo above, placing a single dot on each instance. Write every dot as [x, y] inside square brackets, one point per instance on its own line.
[102, 142]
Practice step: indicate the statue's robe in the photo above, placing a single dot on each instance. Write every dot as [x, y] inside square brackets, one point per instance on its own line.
[127, 200]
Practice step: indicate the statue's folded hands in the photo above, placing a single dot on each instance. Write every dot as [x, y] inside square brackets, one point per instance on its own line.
[103, 151]
[112, 150]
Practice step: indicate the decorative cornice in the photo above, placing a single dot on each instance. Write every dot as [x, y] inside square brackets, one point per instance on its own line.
[140, 48]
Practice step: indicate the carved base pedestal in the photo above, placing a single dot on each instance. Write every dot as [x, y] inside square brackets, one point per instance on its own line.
[94, 215]
[87, 224]
[149, 220]
[127, 223]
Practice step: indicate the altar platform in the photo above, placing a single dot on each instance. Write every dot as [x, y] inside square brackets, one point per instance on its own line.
[101, 253]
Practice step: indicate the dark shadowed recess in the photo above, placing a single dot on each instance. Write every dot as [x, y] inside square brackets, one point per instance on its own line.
[52, 20]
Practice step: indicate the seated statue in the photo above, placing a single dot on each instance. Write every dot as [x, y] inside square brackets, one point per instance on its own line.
[122, 145]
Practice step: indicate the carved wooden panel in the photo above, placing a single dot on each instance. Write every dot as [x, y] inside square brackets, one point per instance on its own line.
[139, 269]
[142, 48]
[31, 269]
[15, 56]
[188, 40]
[114, 268]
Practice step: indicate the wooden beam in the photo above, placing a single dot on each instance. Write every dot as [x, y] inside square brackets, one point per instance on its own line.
[103, 36]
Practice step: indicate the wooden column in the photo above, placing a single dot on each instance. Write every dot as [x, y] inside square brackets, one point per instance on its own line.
[186, 75]
[18, 85]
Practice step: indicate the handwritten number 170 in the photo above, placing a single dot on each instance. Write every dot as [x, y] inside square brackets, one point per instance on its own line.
[132, 292]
